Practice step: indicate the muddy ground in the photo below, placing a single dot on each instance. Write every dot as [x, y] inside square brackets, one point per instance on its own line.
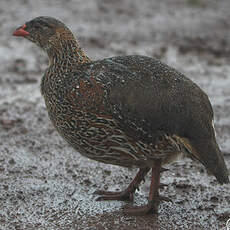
[44, 183]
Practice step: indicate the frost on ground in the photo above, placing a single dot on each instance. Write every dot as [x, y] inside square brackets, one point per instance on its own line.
[44, 183]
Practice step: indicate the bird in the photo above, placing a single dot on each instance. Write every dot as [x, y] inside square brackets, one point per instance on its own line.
[132, 111]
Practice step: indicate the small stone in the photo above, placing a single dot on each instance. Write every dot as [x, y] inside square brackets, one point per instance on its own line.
[12, 161]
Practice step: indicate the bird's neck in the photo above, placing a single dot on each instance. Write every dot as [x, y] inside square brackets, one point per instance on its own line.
[65, 54]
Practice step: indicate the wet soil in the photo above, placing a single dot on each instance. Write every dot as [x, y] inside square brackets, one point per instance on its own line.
[44, 183]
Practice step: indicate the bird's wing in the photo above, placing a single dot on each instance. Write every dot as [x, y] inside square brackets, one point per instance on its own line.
[143, 95]
[148, 97]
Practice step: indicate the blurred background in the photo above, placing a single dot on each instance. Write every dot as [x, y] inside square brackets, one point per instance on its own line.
[45, 184]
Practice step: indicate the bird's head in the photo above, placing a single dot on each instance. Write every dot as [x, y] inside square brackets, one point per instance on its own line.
[46, 32]
[55, 38]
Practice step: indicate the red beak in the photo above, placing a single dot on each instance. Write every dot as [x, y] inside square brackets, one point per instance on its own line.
[21, 32]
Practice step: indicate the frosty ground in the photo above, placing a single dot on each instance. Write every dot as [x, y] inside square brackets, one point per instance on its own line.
[44, 183]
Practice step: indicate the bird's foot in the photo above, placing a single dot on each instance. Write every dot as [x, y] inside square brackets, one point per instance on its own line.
[108, 195]
[128, 193]
[150, 208]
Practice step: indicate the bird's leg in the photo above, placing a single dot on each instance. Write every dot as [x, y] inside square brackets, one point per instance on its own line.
[127, 194]
[154, 198]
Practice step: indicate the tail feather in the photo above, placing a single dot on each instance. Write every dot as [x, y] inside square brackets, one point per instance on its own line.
[211, 157]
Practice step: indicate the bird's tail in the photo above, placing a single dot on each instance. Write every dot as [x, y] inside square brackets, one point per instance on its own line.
[211, 157]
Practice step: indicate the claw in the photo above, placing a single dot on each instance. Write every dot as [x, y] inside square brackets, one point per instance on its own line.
[163, 170]
[102, 192]
[164, 198]
[107, 195]
[162, 185]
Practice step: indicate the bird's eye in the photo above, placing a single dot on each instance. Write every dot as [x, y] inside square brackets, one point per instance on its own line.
[36, 26]
[41, 26]
[45, 27]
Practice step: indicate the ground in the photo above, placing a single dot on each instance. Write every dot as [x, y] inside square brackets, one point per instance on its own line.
[44, 183]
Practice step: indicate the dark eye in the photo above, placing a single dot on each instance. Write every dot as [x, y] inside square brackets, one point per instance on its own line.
[45, 27]
[36, 26]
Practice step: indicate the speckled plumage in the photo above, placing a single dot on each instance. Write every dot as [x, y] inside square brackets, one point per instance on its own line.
[131, 111]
